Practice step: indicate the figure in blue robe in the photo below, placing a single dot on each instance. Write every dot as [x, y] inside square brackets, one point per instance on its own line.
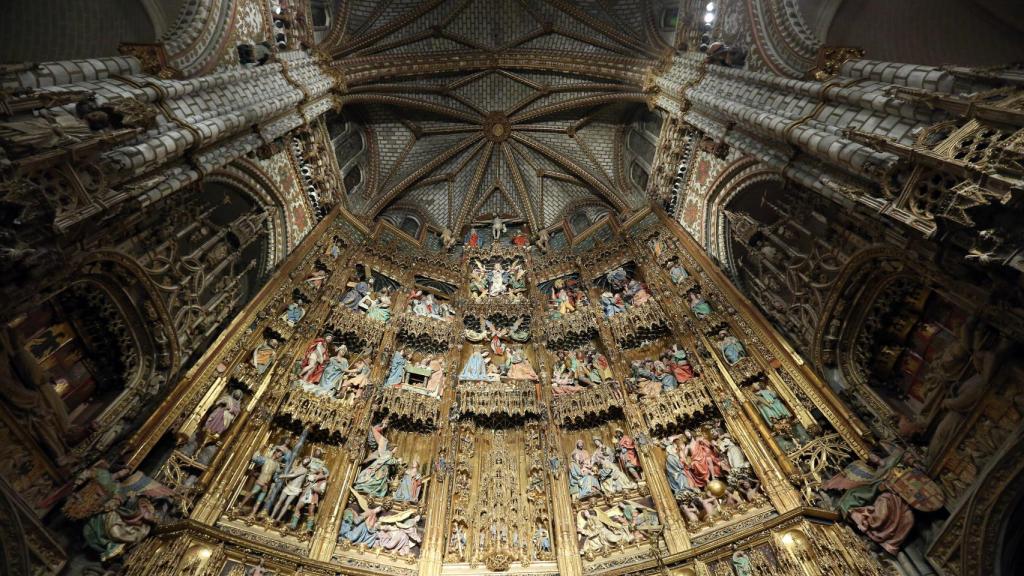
[610, 306]
[475, 368]
[770, 405]
[351, 298]
[676, 473]
[294, 313]
[335, 369]
[581, 483]
[354, 529]
[731, 348]
[397, 371]
[678, 274]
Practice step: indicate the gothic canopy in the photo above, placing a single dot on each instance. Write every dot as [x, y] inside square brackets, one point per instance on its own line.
[470, 114]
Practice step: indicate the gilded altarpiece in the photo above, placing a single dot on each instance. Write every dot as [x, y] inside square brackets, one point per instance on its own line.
[611, 408]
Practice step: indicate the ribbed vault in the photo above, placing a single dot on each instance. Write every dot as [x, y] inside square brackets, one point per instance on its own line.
[476, 108]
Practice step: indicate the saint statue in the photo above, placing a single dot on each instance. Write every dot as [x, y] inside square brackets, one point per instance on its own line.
[678, 273]
[396, 372]
[519, 367]
[354, 296]
[263, 355]
[293, 314]
[583, 481]
[731, 348]
[225, 410]
[769, 404]
[675, 470]
[314, 362]
[476, 368]
[336, 368]
[741, 564]
[625, 451]
[411, 484]
[380, 308]
[700, 307]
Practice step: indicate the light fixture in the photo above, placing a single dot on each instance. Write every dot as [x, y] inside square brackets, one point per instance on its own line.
[710, 7]
[709, 17]
[205, 553]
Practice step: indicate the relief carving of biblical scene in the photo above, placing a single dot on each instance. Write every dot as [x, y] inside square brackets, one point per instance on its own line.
[381, 418]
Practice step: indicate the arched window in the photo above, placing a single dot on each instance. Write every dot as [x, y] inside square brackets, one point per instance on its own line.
[411, 226]
[579, 222]
[641, 146]
[336, 125]
[638, 175]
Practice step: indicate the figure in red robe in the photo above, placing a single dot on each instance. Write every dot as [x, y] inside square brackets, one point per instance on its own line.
[625, 449]
[703, 465]
[474, 239]
[315, 361]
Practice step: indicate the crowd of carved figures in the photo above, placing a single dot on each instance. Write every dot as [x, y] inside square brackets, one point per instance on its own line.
[579, 407]
[496, 404]
[501, 466]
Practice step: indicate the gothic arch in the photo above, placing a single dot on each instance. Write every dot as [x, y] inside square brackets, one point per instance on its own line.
[105, 343]
[734, 180]
[990, 514]
[250, 179]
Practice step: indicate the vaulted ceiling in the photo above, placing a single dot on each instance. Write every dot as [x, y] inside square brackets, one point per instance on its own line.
[483, 107]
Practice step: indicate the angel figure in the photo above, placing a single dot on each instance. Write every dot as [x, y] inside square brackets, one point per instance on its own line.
[373, 479]
[517, 278]
[478, 280]
[498, 347]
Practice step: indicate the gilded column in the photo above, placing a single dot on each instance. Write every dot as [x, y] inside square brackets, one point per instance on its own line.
[325, 535]
[676, 536]
[433, 545]
[777, 485]
[566, 539]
